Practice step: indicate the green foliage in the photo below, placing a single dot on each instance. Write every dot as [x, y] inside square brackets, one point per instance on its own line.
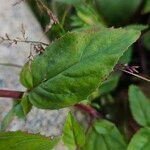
[24, 141]
[140, 140]
[59, 82]
[139, 105]
[26, 105]
[116, 12]
[147, 7]
[146, 40]
[7, 119]
[16, 110]
[73, 134]
[104, 135]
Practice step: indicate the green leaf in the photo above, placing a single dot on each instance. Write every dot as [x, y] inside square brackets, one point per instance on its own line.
[141, 140]
[105, 136]
[24, 141]
[7, 120]
[146, 40]
[146, 7]
[110, 84]
[116, 12]
[73, 134]
[26, 105]
[72, 67]
[140, 106]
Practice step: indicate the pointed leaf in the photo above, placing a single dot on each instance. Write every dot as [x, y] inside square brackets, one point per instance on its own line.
[73, 66]
[140, 106]
[73, 134]
[141, 140]
[104, 135]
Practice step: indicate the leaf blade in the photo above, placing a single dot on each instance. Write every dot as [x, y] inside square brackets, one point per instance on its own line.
[60, 81]
[139, 105]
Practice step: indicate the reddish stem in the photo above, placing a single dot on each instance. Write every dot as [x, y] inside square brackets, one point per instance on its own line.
[18, 94]
[91, 111]
[11, 94]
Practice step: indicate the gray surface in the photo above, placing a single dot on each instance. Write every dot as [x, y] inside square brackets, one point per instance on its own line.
[48, 122]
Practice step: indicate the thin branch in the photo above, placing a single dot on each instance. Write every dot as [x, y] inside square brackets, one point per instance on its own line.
[11, 94]
[15, 41]
[136, 75]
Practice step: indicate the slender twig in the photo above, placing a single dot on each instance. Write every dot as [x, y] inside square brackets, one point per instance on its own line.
[21, 41]
[132, 70]
[11, 65]
[136, 75]
[11, 94]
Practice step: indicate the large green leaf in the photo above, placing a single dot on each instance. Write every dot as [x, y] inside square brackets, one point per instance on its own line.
[23, 141]
[141, 140]
[73, 133]
[105, 136]
[116, 12]
[72, 67]
[140, 106]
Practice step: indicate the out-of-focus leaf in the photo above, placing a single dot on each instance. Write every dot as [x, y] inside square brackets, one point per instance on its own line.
[73, 134]
[7, 120]
[72, 67]
[110, 84]
[104, 135]
[18, 109]
[116, 12]
[24, 141]
[139, 105]
[141, 140]
[146, 7]
[146, 40]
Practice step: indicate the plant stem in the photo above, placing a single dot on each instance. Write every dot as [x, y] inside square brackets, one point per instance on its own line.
[11, 94]
[90, 110]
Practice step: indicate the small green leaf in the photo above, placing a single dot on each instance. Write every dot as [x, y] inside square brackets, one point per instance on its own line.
[105, 136]
[72, 67]
[24, 141]
[73, 134]
[141, 140]
[26, 105]
[19, 111]
[7, 119]
[140, 106]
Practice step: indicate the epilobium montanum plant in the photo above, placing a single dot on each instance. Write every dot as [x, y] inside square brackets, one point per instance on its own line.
[93, 44]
